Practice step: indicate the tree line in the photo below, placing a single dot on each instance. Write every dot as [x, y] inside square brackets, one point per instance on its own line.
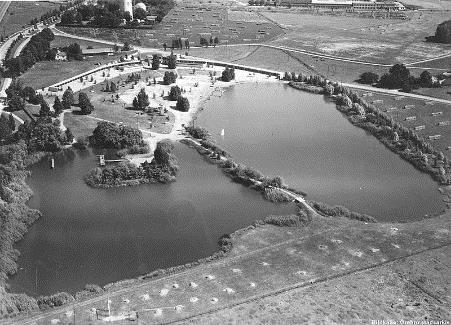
[399, 77]
[37, 49]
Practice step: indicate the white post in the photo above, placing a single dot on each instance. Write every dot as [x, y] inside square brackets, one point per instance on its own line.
[109, 310]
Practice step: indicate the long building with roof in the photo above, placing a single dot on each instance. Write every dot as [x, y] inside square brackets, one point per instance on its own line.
[357, 5]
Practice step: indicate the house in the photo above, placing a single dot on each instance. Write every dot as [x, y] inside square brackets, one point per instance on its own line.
[61, 56]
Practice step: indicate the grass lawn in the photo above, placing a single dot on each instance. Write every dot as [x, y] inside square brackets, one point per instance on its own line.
[21, 13]
[117, 111]
[375, 40]
[47, 73]
[189, 22]
[80, 125]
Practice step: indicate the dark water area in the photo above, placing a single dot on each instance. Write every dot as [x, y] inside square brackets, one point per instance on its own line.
[89, 235]
[303, 138]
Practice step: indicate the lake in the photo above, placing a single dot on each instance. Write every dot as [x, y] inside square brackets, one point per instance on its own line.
[303, 138]
[89, 235]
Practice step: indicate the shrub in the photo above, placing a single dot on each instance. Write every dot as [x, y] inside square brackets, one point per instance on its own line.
[197, 132]
[56, 300]
[291, 220]
[276, 195]
[81, 143]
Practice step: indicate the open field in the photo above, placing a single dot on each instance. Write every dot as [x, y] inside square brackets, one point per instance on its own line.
[332, 270]
[61, 41]
[418, 113]
[46, 73]
[430, 4]
[21, 13]
[381, 41]
[188, 22]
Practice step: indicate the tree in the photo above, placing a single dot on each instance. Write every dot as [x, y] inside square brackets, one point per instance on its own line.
[84, 103]
[175, 92]
[74, 52]
[69, 136]
[169, 77]
[216, 40]
[16, 103]
[45, 108]
[140, 13]
[172, 61]
[228, 74]
[155, 62]
[126, 47]
[425, 79]
[57, 106]
[12, 124]
[141, 101]
[28, 93]
[127, 16]
[443, 32]
[369, 78]
[162, 153]
[68, 98]
[5, 130]
[182, 104]
[397, 77]
[113, 87]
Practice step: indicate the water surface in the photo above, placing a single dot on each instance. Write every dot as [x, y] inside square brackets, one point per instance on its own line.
[98, 236]
[302, 137]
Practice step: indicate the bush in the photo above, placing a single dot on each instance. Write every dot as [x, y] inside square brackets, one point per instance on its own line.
[276, 195]
[81, 143]
[291, 220]
[56, 300]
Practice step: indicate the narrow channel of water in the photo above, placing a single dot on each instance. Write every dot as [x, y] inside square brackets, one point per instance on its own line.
[99, 236]
[302, 137]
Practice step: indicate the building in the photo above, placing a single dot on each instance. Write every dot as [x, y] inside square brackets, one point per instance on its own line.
[98, 51]
[127, 6]
[354, 5]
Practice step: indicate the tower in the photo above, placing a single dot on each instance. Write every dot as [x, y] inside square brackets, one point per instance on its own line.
[127, 5]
